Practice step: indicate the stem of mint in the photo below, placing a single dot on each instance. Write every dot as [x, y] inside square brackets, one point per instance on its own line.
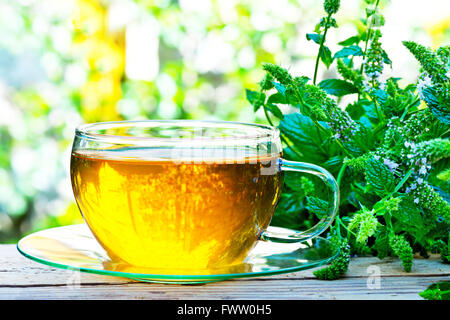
[322, 41]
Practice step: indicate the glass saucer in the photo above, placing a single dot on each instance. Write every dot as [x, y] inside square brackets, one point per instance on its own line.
[74, 247]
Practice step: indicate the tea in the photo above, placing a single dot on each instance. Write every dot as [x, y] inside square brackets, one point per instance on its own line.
[148, 210]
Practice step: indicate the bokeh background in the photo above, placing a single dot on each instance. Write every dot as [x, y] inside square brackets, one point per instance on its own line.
[68, 62]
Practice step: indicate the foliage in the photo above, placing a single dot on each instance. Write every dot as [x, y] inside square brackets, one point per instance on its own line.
[339, 265]
[389, 152]
[437, 291]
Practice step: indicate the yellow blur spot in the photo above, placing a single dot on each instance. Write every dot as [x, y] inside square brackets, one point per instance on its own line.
[104, 54]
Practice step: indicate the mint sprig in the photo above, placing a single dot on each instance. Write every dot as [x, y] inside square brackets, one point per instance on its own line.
[389, 151]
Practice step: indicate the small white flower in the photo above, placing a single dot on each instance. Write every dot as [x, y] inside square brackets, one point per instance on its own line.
[413, 186]
[391, 164]
[424, 82]
[416, 200]
[419, 180]
[366, 86]
[423, 170]
[377, 157]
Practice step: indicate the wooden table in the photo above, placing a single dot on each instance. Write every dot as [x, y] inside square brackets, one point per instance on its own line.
[367, 278]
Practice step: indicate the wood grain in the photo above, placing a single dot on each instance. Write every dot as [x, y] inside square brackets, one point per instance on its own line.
[21, 278]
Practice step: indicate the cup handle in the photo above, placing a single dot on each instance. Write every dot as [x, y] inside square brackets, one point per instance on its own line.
[289, 236]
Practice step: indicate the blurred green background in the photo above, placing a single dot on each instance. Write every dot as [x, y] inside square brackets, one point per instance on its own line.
[68, 62]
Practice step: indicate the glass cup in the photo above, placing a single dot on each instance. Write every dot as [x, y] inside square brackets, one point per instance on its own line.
[184, 194]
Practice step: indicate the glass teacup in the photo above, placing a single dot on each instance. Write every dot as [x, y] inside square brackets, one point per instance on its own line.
[184, 194]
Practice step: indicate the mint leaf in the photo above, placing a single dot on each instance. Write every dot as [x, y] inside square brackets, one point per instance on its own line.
[350, 41]
[296, 181]
[364, 111]
[289, 209]
[255, 98]
[338, 87]
[285, 95]
[382, 242]
[274, 110]
[440, 109]
[386, 59]
[277, 98]
[318, 206]
[409, 219]
[325, 56]
[349, 51]
[307, 139]
[314, 37]
[379, 177]
[380, 96]
[280, 88]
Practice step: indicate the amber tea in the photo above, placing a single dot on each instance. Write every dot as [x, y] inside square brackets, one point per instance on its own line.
[185, 196]
[159, 212]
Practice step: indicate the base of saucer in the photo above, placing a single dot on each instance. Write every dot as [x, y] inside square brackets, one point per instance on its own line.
[74, 247]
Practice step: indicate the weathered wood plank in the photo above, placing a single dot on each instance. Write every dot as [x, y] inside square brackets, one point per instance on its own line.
[21, 278]
[348, 288]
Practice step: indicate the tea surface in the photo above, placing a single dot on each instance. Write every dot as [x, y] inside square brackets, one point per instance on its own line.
[174, 213]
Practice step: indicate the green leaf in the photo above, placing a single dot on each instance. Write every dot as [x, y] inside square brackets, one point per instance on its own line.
[318, 206]
[356, 109]
[314, 37]
[386, 59]
[444, 175]
[363, 198]
[365, 112]
[277, 98]
[255, 98]
[296, 181]
[280, 88]
[369, 12]
[382, 242]
[408, 218]
[274, 110]
[349, 51]
[379, 177]
[440, 109]
[251, 95]
[380, 96]
[350, 41]
[306, 138]
[333, 164]
[326, 56]
[289, 212]
[441, 113]
[284, 95]
[337, 87]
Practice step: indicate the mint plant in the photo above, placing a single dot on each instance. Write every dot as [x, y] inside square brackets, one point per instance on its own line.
[437, 291]
[388, 148]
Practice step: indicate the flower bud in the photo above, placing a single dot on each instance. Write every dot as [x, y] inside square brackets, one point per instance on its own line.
[331, 6]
